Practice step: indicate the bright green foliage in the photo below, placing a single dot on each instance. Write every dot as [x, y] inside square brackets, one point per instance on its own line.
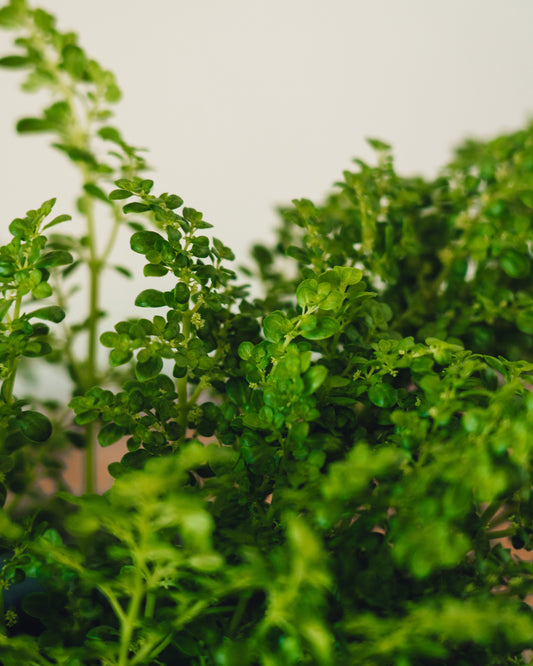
[78, 118]
[26, 266]
[369, 418]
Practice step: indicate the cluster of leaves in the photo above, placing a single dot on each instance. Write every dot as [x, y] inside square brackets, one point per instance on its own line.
[26, 263]
[78, 118]
[324, 475]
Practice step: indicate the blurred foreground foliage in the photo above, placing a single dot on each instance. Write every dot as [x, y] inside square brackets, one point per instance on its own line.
[332, 473]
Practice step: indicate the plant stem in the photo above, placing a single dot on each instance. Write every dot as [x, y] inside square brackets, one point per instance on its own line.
[129, 623]
[2, 612]
[9, 383]
[239, 612]
[499, 534]
[94, 266]
[490, 511]
[150, 605]
[181, 382]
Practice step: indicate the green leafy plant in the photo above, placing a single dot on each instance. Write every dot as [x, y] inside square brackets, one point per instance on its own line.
[336, 472]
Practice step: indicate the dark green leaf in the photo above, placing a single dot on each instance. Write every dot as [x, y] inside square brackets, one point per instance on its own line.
[155, 270]
[314, 378]
[77, 154]
[319, 328]
[26, 125]
[150, 298]
[382, 395]
[110, 134]
[55, 258]
[51, 313]
[524, 321]
[149, 369]
[514, 263]
[276, 326]
[173, 201]
[110, 434]
[182, 293]
[34, 425]
[116, 195]
[57, 220]
[123, 271]
[119, 357]
[87, 417]
[15, 61]
[306, 293]
[7, 269]
[144, 241]
[136, 207]
[527, 198]
[96, 192]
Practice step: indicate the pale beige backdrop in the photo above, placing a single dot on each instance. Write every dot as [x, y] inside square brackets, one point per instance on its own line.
[246, 103]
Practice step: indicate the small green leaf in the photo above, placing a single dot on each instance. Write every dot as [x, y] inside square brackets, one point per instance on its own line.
[21, 228]
[382, 395]
[136, 207]
[150, 298]
[527, 198]
[276, 326]
[26, 125]
[110, 434]
[514, 263]
[126, 272]
[87, 416]
[109, 339]
[96, 192]
[182, 293]
[155, 270]
[314, 378]
[378, 145]
[51, 313]
[15, 61]
[349, 275]
[319, 328]
[119, 357]
[149, 368]
[306, 293]
[42, 290]
[173, 201]
[144, 241]
[34, 425]
[55, 258]
[245, 350]
[110, 134]
[524, 321]
[7, 268]
[116, 195]
[57, 220]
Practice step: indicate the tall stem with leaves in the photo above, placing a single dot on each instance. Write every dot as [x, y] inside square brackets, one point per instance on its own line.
[81, 94]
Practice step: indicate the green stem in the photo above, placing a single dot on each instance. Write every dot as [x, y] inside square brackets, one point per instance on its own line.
[151, 652]
[131, 619]
[499, 534]
[92, 332]
[181, 383]
[508, 510]
[2, 612]
[112, 236]
[491, 511]
[150, 605]
[9, 383]
[239, 612]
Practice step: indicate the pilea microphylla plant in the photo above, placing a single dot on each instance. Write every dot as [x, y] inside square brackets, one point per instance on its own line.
[337, 472]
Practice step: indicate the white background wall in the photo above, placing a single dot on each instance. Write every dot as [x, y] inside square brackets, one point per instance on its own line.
[245, 104]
